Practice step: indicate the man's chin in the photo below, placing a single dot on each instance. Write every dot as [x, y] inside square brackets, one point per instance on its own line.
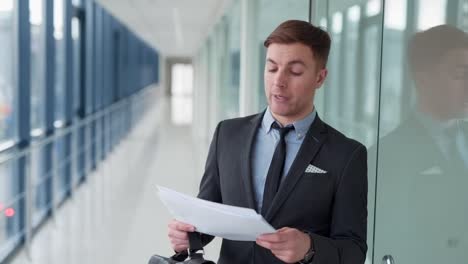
[278, 111]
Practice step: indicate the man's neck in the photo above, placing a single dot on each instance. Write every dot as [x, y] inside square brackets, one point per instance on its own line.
[286, 120]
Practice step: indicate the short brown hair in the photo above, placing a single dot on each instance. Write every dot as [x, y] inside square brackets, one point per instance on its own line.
[297, 31]
[428, 47]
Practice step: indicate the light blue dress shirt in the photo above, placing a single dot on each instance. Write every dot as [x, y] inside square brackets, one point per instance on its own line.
[264, 147]
[436, 130]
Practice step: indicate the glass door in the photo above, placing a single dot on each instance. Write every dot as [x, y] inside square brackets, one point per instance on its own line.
[422, 171]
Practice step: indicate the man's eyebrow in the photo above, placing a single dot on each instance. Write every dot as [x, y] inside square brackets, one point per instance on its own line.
[296, 62]
[271, 61]
[289, 63]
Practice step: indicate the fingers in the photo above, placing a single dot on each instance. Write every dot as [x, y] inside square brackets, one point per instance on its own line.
[274, 241]
[272, 246]
[177, 225]
[273, 238]
[287, 244]
[281, 235]
[180, 248]
[177, 233]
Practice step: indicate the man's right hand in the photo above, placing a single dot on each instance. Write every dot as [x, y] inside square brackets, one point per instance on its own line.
[178, 235]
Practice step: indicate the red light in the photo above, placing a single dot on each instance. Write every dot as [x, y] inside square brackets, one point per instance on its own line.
[9, 212]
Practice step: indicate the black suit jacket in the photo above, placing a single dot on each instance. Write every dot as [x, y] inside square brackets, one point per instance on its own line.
[332, 206]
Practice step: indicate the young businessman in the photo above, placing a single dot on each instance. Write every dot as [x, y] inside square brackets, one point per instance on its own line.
[307, 179]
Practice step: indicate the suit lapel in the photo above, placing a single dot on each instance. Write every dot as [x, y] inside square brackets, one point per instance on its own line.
[422, 142]
[313, 140]
[246, 158]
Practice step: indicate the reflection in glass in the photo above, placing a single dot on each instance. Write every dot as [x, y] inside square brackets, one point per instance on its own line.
[463, 15]
[373, 7]
[352, 87]
[422, 207]
[395, 14]
[432, 14]
[337, 23]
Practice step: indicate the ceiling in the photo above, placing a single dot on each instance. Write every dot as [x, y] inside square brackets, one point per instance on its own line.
[176, 28]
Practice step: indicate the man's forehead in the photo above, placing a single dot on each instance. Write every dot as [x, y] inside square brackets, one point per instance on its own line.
[456, 56]
[286, 53]
[289, 48]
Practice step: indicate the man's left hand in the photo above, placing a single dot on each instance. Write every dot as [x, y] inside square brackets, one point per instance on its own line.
[288, 244]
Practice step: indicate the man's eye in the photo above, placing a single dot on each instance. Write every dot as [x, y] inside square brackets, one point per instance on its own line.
[272, 69]
[296, 73]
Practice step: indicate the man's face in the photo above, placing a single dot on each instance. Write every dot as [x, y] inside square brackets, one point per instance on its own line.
[292, 75]
[456, 64]
[442, 91]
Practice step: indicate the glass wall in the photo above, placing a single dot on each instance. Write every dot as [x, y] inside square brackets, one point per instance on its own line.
[10, 203]
[78, 87]
[7, 92]
[36, 18]
[59, 19]
[218, 72]
[423, 150]
[40, 176]
[35, 167]
[230, 92]
[10, 199]
[397, 83]
[270, 15]
[349, 98]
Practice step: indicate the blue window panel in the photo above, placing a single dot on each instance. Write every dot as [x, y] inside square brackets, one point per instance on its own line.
[60, 22]
[63, 180]
[37, 60]
[13, 173]
[79, 86]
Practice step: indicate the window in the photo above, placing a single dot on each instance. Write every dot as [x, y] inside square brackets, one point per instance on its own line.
[36, 15]
[271, 14]
[7, 91]
[59, 19]
[230, 87]
[182, 79]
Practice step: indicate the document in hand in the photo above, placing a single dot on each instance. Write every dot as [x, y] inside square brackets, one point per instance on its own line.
[229, 222]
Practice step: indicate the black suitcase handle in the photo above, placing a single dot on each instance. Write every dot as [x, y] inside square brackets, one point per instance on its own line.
[195, 245]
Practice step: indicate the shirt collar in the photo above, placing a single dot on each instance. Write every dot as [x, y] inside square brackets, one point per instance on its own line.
[435, 127]
[300, 126]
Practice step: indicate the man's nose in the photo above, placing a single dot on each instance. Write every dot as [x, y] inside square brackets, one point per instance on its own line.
[280, 79]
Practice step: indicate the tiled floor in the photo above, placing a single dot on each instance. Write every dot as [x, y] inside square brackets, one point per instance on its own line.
[116, 217]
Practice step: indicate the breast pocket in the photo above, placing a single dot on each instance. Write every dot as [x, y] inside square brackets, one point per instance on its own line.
[316, 178]
[314, 194]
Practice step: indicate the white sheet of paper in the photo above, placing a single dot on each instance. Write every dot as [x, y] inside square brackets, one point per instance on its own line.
[229, 222]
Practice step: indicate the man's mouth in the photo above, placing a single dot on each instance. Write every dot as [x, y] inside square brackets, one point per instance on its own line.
[280, 98]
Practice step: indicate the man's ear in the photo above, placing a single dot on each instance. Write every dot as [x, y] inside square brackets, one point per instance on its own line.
[321, 76]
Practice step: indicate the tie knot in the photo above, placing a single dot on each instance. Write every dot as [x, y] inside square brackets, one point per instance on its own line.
[282, 130]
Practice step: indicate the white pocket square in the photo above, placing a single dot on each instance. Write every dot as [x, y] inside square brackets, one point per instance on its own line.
[312, 169]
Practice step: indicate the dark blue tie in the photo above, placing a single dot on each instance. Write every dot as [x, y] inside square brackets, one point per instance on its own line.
[275, 171]
[454, 156]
